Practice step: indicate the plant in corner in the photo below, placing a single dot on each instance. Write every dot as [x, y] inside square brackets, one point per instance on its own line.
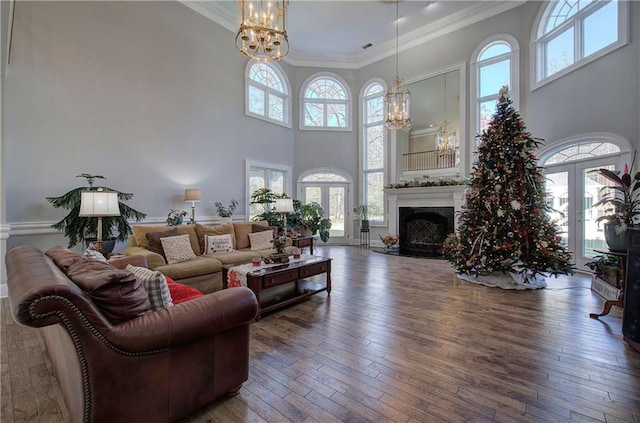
[225, 211]
[313, 218]
[361, 214]
[623, 199]
[78, 228]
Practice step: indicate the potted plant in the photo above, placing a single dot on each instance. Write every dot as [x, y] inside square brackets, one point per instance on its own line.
[225, 213]
[361, 213]
[312, 218]
[78, 228]
[266, 197]
[176, 217]
[623, 199]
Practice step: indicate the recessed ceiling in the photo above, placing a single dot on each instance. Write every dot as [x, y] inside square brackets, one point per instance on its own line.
[332, 33]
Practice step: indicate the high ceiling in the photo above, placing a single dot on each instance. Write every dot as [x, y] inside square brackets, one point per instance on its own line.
[333, 32]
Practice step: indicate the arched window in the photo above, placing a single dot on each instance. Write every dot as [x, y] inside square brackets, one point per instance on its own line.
[325, 103]
[372, 141]
[582, 151]
[571, 33]
[267, 93]
[494, 63]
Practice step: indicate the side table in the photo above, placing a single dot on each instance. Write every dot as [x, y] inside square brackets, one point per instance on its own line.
[620, 301]
[305, 241]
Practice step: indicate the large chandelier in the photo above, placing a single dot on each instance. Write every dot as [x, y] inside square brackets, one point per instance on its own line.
[263, 33]
[445, 139]
[397, 100]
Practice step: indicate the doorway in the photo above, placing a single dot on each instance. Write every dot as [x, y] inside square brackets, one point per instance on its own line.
[332, 191]
[573, 185]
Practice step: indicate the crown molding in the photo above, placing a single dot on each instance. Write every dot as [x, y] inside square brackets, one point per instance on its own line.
[475, 13]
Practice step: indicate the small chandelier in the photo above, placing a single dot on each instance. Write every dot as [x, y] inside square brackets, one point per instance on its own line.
[397, 100]
[263, 34]
[445, 139]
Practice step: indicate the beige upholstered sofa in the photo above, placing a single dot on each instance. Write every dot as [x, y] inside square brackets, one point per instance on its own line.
[204, 271]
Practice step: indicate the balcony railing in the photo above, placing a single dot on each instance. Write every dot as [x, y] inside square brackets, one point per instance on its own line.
[429, 160]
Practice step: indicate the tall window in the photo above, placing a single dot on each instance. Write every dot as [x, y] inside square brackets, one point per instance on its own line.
[265, 175]
[373, 150]
[267, 93]
[495, 63]
[571, 33]
[325, 104]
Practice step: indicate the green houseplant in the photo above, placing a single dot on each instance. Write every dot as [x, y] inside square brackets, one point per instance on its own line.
[312, 217]
[361, 213]
[78, 228]
[623, 202]
[225, 211]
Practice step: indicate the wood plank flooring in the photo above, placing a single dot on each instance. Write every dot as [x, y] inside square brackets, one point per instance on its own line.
[400, 340]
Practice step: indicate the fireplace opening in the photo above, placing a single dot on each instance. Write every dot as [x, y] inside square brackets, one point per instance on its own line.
[424, 229]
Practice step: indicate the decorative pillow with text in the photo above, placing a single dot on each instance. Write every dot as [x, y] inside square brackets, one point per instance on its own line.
[218, 243]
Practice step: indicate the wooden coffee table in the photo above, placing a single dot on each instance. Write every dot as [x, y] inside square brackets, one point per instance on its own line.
[285, 284]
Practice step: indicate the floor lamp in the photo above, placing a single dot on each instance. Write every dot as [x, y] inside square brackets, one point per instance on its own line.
[99, 203]
[284, 206]
[194, 196]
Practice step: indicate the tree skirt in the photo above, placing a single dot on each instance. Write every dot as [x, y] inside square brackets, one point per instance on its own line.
[506, 280]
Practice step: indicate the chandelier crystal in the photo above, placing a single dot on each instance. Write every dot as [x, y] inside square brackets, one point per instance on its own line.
[397, 100]
[446, 142]
[263, 34]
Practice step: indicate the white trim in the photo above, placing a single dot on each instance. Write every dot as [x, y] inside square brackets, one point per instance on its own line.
[5, 231]
[248, 163]
[349, 103]
[313, 171]
[549, 150]
[536, 62]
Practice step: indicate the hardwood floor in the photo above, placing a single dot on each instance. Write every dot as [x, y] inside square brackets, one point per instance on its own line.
[403, 340]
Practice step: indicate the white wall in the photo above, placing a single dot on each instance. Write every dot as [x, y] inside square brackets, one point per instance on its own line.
[147, 94]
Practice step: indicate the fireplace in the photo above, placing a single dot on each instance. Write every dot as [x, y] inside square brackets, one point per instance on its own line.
[422, 230]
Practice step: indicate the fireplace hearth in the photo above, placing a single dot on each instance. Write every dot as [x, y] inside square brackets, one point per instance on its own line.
[422, 230]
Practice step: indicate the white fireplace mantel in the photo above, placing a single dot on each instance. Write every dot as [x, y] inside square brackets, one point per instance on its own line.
[437, 196]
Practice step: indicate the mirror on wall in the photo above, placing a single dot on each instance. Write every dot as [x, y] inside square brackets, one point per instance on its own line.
[424, 149]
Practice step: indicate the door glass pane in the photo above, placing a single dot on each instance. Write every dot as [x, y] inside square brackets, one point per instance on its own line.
[313, 194]
[557, 188]
[593, 231]
[336, 211]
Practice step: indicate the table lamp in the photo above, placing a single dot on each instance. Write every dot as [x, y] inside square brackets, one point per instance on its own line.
[194, 196]
[99, 203]
[284, 206]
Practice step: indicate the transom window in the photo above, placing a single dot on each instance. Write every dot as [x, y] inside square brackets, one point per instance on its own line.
[325, 104]
[571, 33]
[582, 151]
[373, 135]
[324, 177]
[267, 93]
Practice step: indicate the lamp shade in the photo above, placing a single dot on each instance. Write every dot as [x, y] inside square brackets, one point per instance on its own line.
[191, 194]
[284, 205]
[99, 203]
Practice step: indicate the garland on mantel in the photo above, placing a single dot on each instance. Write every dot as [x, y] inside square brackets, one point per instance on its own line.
[441, 182]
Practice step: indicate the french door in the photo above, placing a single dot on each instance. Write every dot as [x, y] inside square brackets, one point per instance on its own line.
[334, 199]
[573, 188]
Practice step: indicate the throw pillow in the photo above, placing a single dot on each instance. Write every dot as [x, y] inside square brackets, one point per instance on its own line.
[155, 284]
[262, 228]
[153, 238]
[177, 249]
[242, 231]
[202, 230]
[181, 292]
[63, 257]
[118, 294]
[140, 234]
[94, 254]
[218, 243]
[261, 240]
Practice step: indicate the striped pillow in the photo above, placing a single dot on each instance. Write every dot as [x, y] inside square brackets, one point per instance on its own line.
[155, 284]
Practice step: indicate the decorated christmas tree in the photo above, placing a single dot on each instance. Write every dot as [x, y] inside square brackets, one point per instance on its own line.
[504, 226]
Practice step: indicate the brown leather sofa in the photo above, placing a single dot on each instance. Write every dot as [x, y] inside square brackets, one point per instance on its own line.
[157, 367]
